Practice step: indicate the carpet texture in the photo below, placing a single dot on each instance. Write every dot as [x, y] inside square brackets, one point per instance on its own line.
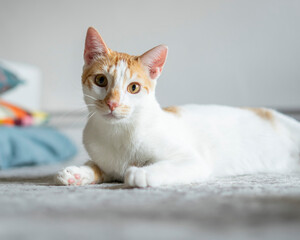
[241, 207]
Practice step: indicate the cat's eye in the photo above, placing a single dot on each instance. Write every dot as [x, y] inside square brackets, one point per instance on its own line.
[134, 88]
[100, 80]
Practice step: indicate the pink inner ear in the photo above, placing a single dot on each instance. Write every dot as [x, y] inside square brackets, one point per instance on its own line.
[154, 73]
[155, 59]
[157, 66]
[94, 46]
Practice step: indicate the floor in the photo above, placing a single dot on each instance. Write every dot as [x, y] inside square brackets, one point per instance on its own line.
[262, 206]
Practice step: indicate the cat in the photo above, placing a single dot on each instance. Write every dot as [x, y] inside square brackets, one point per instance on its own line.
[131, 139]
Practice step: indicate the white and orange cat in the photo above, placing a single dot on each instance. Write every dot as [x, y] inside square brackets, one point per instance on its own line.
[130, 138]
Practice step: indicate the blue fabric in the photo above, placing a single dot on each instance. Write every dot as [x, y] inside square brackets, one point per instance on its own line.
[33, 146]
[8, 80]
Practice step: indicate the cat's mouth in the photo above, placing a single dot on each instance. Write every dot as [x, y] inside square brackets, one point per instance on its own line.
[112, 116]
[115, 115]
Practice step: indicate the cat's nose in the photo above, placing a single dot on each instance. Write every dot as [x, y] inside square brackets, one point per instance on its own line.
[112, 105]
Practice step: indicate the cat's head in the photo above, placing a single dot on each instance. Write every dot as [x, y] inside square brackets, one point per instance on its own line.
[115, 85]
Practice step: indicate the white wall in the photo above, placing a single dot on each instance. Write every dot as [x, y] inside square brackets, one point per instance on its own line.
[226, 52]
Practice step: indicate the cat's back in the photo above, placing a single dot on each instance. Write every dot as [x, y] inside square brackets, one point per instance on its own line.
[216, 114]
[226, 118]
[207, 110]
[251, 138]
[220, 121]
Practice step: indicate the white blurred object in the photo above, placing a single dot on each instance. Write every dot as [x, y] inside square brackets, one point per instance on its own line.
[27, 94]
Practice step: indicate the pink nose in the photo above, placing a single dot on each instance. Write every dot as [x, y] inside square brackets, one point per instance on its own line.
[112, 105]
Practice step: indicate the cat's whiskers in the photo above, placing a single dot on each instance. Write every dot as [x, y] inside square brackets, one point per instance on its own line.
[81, 118]
[91, 97]
[91, 105]
[61, 116]
[91, 115]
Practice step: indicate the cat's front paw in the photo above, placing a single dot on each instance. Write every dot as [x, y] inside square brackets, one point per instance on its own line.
[140, 177]
[76, 176]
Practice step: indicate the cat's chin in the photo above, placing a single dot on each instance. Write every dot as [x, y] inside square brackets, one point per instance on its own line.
[113, 118]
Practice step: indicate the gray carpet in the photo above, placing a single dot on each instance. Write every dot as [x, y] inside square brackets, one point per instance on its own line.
[242, 207]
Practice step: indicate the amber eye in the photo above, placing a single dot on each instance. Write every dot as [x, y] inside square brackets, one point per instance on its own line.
[134, 88]
[101, 80]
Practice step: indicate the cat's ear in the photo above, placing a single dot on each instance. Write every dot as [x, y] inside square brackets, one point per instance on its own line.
[154, 60]
[94, 46]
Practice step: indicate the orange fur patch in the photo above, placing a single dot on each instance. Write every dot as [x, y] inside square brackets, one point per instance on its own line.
[114, 95]
[262, 113]
[101, 104]
[135, 164]
[98, 173]
[172, 109]
[111, 60]
[89, 71]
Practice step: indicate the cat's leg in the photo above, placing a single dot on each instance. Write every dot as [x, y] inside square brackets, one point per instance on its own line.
[168, 172]
[90, 173]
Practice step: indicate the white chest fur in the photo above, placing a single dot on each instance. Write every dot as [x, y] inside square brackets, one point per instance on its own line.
[115, 148]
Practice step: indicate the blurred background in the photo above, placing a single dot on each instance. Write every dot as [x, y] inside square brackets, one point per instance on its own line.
[234, 52]
[230, 52]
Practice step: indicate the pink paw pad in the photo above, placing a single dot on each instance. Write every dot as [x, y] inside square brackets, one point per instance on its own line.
[71, 180]
[77, 176]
